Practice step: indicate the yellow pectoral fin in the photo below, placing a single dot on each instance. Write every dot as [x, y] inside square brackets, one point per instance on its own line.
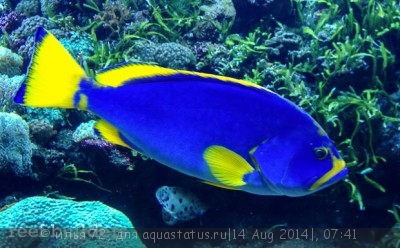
[110, 133]
[226, 166]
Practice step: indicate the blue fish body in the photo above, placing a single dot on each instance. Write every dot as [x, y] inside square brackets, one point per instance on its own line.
[224, 131]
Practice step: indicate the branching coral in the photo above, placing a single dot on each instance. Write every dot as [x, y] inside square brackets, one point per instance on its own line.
[10, 63]
[10, 21]
[113, 17]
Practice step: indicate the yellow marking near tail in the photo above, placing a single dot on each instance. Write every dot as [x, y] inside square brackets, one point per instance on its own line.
[53, 77]
[227, 166]
[83, 101]
[110, 133]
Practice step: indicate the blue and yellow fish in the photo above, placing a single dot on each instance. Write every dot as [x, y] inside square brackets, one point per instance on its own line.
[224, 131]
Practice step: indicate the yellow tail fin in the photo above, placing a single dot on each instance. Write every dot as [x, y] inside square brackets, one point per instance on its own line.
[53, 77]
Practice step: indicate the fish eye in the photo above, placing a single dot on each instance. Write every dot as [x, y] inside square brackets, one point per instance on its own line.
[320, 152]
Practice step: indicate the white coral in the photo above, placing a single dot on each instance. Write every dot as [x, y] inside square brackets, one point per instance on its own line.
[10, 63]
[85, 131]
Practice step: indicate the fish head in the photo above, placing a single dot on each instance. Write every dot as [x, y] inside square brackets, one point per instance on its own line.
[299, 163]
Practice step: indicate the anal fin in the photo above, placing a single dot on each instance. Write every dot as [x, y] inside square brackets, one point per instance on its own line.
[110, 133]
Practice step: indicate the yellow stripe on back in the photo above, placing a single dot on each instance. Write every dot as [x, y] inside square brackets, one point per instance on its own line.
[54, 76]
[117, 76]
[223, 78]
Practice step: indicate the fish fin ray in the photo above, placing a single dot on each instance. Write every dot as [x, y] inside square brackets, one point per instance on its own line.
[53, 77]
[124, 73]
[119, 75]
[218, 185]
[226, 166]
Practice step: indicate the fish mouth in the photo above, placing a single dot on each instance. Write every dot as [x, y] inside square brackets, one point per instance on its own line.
[337, 177]
[337, 172]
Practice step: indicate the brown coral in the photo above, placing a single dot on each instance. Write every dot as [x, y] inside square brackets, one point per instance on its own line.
[114, 15]
[41, 132]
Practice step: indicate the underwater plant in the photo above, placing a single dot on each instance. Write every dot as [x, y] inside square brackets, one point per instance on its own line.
[348, 38]
[71, 173]
[175, 17]
[239, 54]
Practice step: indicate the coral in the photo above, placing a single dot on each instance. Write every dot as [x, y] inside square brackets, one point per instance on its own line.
[51, 157]
[119, 159]
[47, 161]
[15, 146]
[41, 132]
[8, 89]
[11, 20]
[78, 44]
[10, 63]
[26, 47]
[99, 150]
[85, 131]
[28, 28]
[59, 215]
[139, 22]
[94, 151]
[389, 146]
[28, 7]
[113, 17]
[10, 199]
[42, 212]
[389, 142]
[241, 55]
[66, 23]
[97, 144]
[206, 29]
[282, 44]
[143, 51]
[50, 7]
[52, 116]
[210, 55]
[5, 6]
[63, 140]
[175, 56]
[220, 8]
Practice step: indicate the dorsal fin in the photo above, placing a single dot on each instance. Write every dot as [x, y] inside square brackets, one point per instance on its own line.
[118, 75]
